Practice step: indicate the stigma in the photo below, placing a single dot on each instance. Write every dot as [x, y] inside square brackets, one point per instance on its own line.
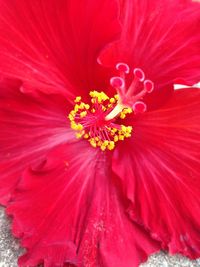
[99, 122]
[132, 95]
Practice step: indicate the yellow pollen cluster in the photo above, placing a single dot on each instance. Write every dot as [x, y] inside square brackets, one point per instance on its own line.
[98, 97]
[82, 119]
[124, 112]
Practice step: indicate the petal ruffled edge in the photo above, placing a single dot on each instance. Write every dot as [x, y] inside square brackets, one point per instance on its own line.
[159, 172]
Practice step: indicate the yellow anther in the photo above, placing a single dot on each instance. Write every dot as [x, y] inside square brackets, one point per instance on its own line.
[98, 97]
[122, 116]
[83, 114]
[116, 138]
[79, 135]
[121, 137]
[91, 93]
[73, 113]
[93, 143]
[111, 145]
[79, 127]
[103, 148]
[82, 105]
[77, 99]
[127, 135]
[129, 129]
[99, 143]
[93, 110]
[124, 128]
[76, 107]
[116, 97]
[127, 110]
[104, 96]
[71, 118]
[87, 106]
[86, 136]
[112, 100]
[73, 125]
[105, 143]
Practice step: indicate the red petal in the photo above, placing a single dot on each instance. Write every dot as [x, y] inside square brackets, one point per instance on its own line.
[159, 170]
[71, 211]
[163, 39]
[54, 44]
[30, 126]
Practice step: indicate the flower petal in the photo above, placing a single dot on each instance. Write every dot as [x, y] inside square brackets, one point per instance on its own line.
[31, 124]
[70, 211]
[163, 39]
[54, 44]
[159, 171]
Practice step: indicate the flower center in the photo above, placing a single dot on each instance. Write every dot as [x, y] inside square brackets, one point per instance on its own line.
[97, 122]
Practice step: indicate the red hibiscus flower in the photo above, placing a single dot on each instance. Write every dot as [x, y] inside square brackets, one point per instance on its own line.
[99, 161]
